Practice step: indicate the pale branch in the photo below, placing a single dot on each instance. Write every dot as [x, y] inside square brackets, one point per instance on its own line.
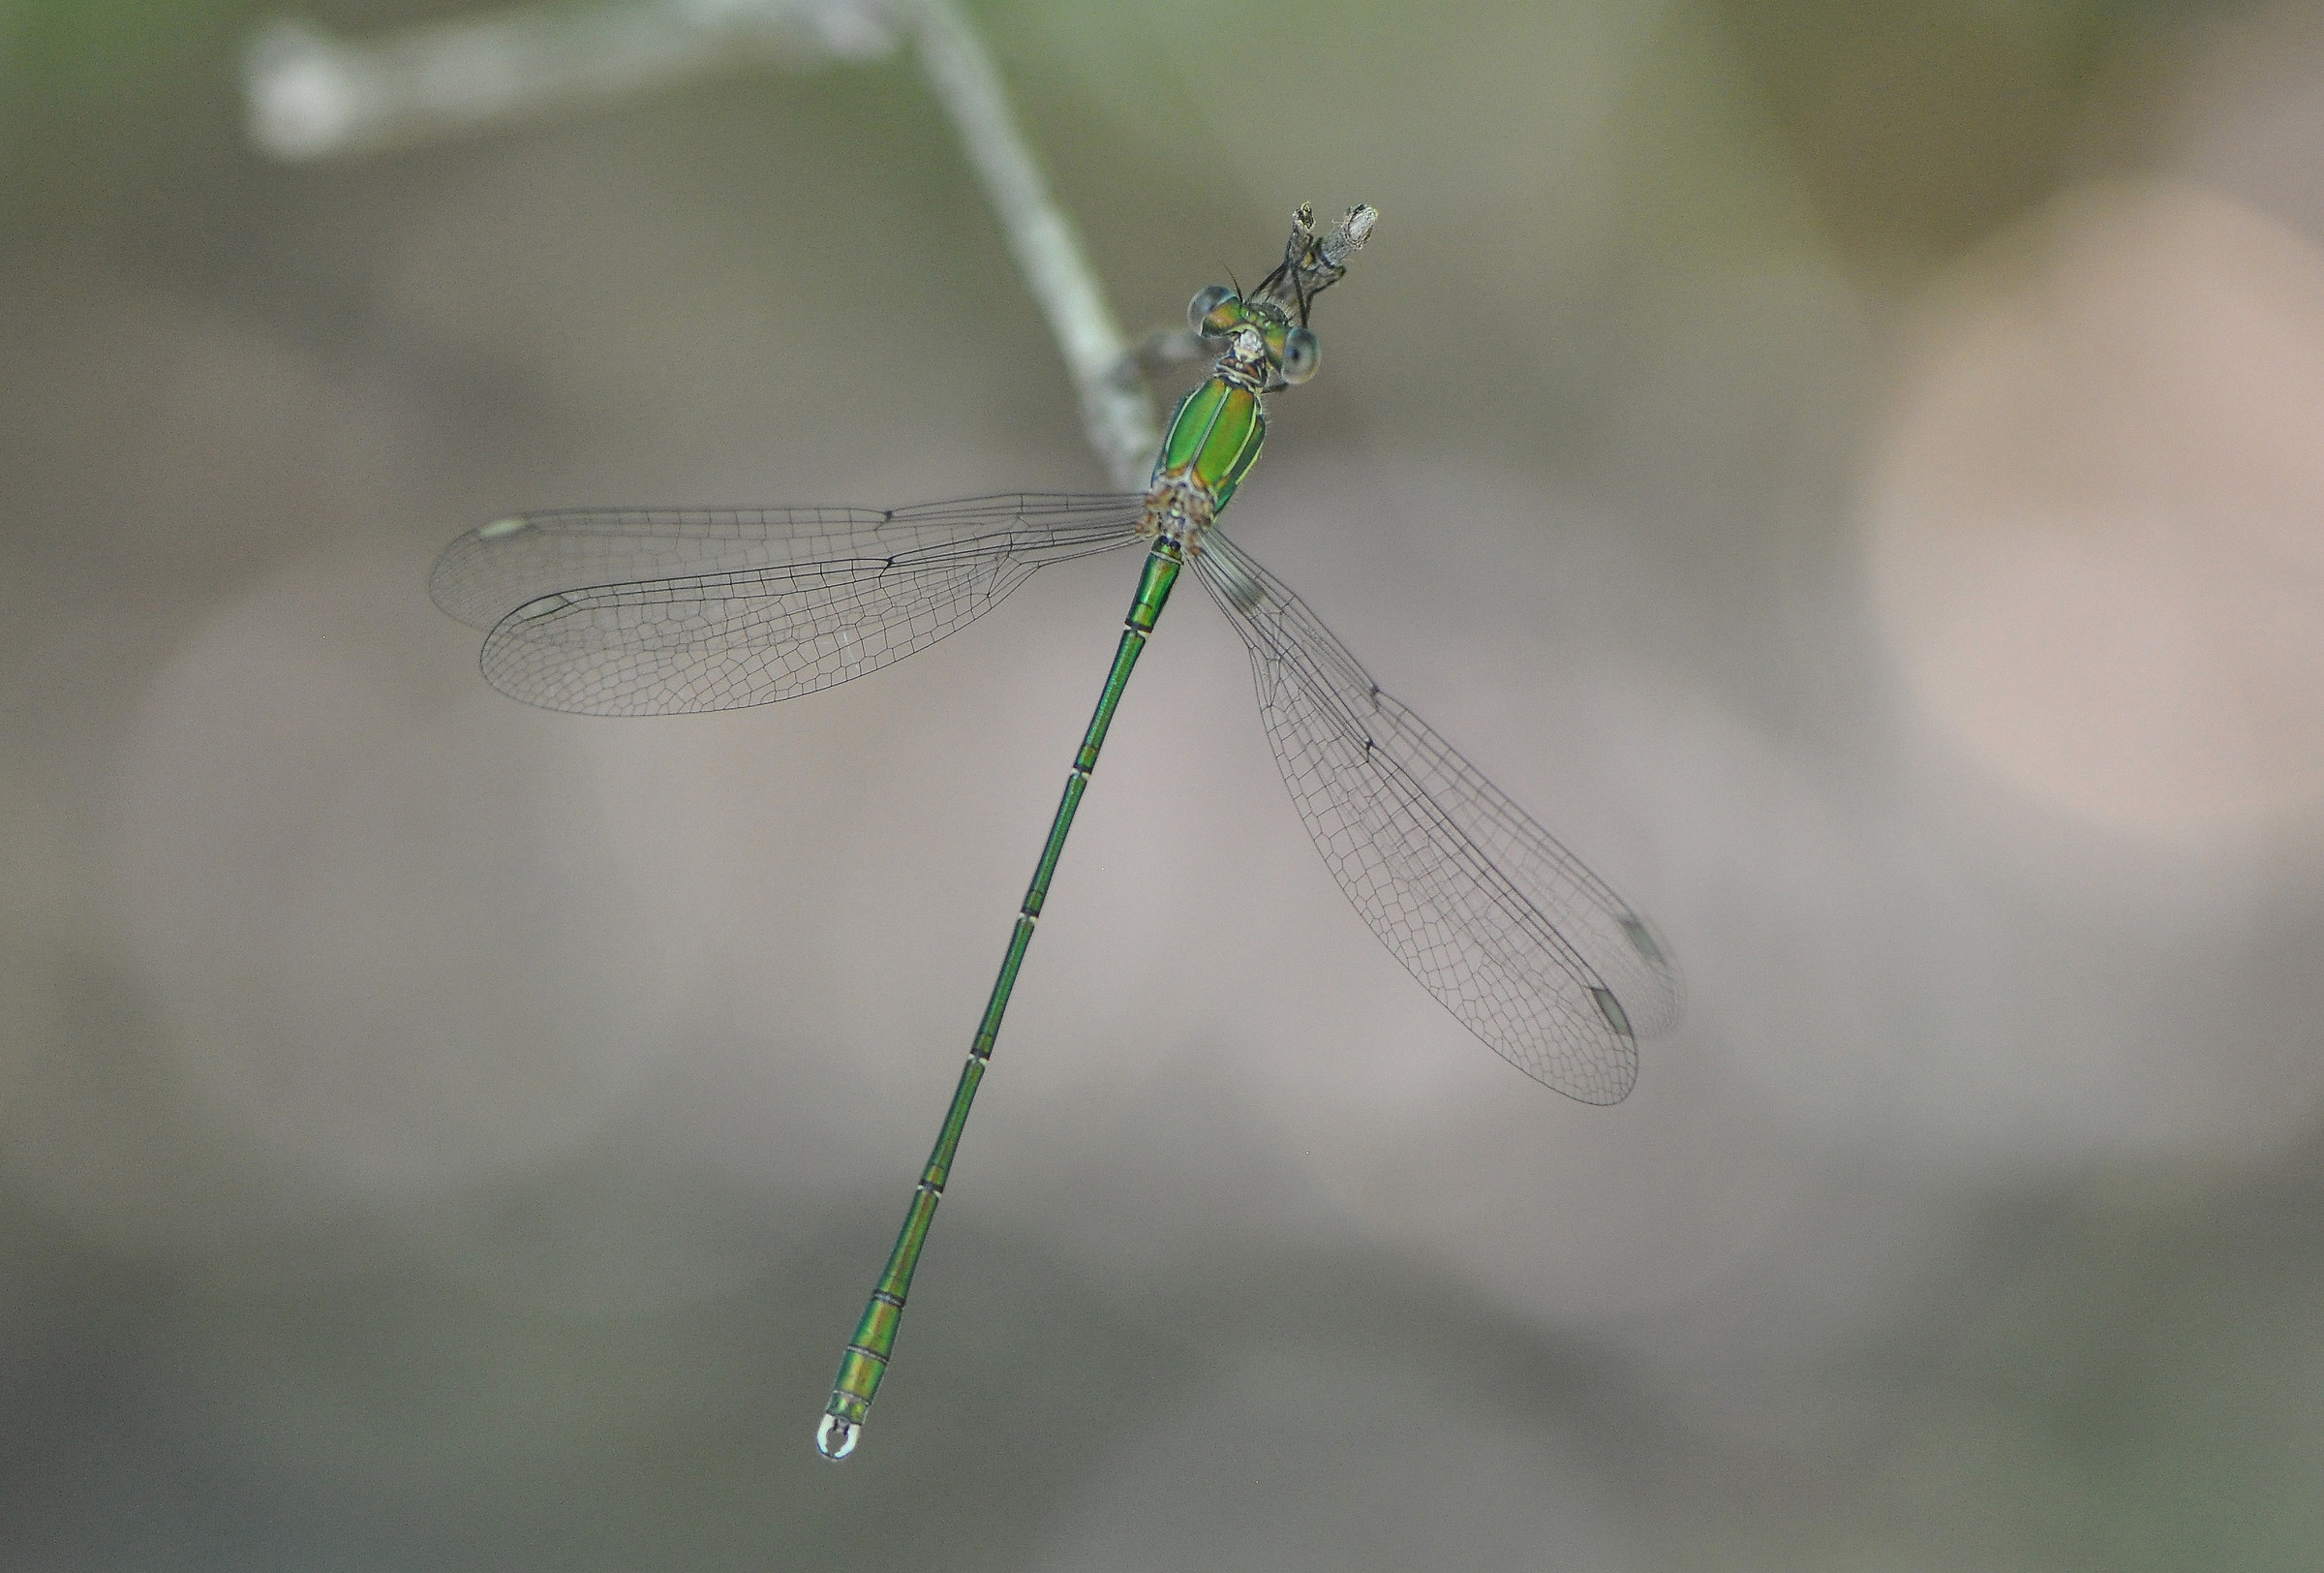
[312, 96]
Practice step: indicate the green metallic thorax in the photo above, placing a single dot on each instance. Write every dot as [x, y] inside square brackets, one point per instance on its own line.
[1214, 439]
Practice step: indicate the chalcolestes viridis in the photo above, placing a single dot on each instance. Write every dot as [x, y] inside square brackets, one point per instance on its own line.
[665, 611]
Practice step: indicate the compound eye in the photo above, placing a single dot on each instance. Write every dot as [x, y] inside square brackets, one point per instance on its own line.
[1301, 354]
[1213, 312]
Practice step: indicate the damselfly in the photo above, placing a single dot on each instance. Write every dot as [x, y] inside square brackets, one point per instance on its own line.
[662, 612]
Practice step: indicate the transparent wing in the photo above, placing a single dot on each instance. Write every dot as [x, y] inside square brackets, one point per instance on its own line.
[1526, 946]
[662, 612]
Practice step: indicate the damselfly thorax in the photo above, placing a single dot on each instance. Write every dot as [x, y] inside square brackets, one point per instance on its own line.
[1219, 427]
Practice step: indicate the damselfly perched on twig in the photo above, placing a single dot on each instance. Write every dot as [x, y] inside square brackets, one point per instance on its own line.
[662, 611]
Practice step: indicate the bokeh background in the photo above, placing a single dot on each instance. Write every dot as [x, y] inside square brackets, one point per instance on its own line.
[1855, 469]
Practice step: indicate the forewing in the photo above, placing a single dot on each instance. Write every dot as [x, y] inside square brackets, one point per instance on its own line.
[662, 611]
[1532, 952]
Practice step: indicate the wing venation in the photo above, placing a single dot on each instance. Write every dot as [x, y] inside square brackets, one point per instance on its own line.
[1528, 948]
[662, 611]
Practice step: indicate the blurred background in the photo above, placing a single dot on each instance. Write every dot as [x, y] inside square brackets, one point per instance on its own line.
[1856, 470]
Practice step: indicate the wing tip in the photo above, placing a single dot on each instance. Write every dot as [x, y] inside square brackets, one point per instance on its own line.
[457, 600]
[1607, 1081]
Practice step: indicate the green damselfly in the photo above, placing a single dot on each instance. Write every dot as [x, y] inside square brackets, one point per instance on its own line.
[662, 611]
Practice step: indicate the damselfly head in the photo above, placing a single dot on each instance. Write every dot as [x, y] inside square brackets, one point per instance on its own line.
[1257, 334]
